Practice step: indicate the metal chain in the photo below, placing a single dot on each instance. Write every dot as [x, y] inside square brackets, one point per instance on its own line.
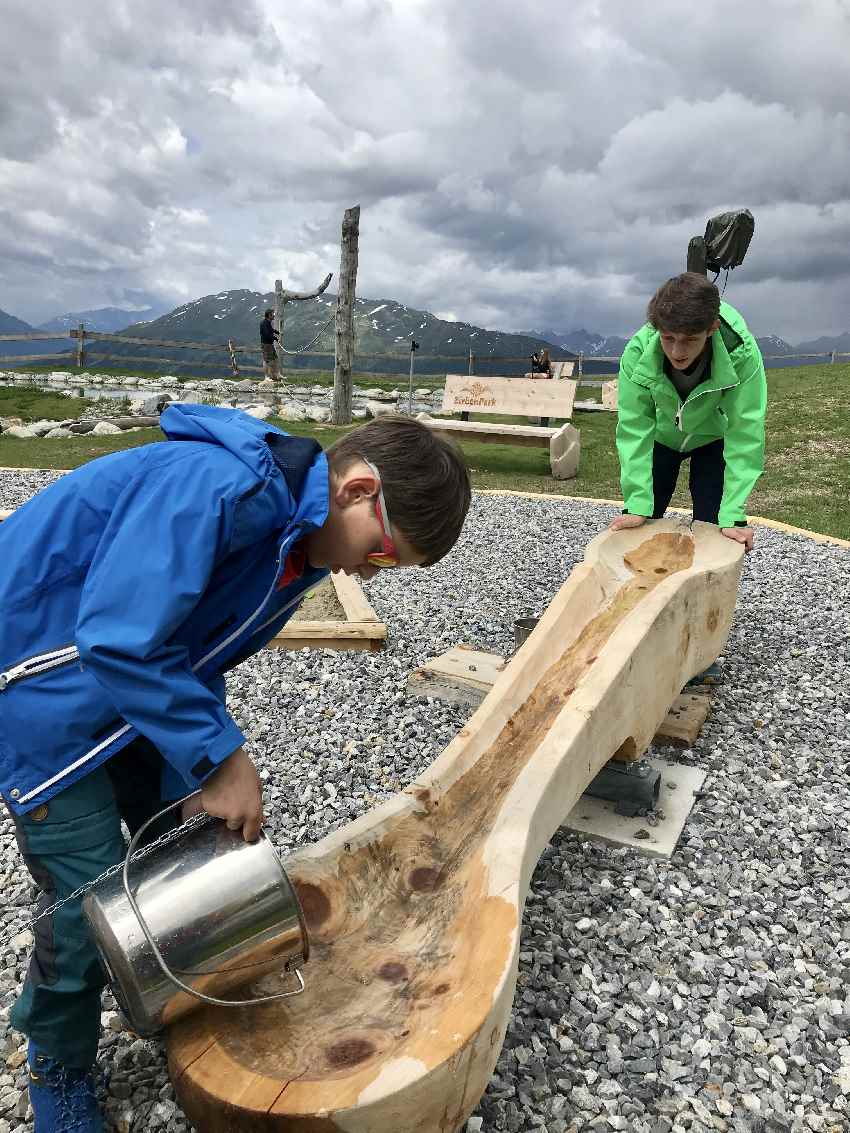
[301, 349]
[163, 840]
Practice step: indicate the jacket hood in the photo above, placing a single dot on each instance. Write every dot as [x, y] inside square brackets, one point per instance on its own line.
[299, 476]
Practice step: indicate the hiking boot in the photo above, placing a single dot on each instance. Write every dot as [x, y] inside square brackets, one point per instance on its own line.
[62, 1099]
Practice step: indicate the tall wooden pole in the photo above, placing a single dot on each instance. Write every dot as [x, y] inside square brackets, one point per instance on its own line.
[341, 409]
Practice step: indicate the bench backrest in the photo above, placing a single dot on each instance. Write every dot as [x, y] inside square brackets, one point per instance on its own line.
[515, 397]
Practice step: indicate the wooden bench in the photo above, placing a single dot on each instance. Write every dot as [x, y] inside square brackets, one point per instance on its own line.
[514, 397]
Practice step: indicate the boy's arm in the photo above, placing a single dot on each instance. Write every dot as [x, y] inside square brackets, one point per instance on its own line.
[635, 439]
[743, 443]
[151, 567]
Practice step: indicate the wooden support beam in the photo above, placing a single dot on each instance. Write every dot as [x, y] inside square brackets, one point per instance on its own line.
[360, 629]
[465, 675]
[414, 910]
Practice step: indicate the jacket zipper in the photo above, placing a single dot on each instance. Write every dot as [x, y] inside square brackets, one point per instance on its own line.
[41, 663]
[232, 637]
[688, 401]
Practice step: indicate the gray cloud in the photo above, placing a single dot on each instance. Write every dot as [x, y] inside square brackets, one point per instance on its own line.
[517, 165]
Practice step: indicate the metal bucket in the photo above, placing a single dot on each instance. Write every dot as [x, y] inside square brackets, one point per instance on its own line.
[198, 916]
[523, 629]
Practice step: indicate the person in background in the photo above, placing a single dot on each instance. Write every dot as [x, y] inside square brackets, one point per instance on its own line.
[692, 387]
[268, 337]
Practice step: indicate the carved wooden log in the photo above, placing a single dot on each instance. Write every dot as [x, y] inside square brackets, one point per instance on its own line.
[414, 909]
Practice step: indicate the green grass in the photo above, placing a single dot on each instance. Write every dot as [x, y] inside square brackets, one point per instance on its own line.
[806, 481]
[31, 404]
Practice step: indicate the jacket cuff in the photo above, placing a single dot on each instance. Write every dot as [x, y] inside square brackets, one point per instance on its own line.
[223, 747]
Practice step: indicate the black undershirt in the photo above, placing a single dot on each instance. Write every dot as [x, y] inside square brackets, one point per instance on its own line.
[686, 381]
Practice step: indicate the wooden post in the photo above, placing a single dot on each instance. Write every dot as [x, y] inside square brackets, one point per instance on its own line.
[234, 366]
[341, 410]
[471, 370]
[832, 358]
[81, 345]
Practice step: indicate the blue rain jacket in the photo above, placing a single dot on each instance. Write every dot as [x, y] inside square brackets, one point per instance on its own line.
[128, 588]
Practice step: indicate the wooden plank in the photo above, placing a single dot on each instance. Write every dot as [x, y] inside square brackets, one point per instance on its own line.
[465, 676]
[133, 340]
[529, 436]
[35, 336]
[609, 395]
[12, 358]
[352, 599]
[414, 910]
[561, 370]
[683, 723]
[340, 631]
[462, 676]
[518, 397]
[92, 357]
[362, 628]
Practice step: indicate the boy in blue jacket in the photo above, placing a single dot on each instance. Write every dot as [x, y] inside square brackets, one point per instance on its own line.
[128, 588]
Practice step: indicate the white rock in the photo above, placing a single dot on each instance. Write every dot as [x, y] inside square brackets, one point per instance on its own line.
[261, 412]
[380, 408]
[105, 429]
[42, 428]
[318, 413]
[292, 411]
[18, 431]
[58, 432]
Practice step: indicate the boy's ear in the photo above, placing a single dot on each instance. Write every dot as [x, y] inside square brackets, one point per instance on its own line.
[354, 485]
[714, 326]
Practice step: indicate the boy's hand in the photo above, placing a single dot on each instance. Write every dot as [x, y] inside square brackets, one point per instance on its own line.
[624, 521]
[233, 792]
[740, 535]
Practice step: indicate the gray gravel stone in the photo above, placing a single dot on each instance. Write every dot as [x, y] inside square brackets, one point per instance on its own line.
[708, 991]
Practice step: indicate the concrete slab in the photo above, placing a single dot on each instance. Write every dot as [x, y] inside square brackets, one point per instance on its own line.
[598, 819]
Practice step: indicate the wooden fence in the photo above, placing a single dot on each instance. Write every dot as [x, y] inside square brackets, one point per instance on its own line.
[81, 357]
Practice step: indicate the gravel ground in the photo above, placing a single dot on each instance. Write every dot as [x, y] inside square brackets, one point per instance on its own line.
[705, 992]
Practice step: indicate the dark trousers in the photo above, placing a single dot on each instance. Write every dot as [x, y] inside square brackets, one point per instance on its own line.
[65, 843]
[705, 478]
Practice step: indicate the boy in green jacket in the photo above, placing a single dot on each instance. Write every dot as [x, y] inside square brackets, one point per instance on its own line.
[692, 387]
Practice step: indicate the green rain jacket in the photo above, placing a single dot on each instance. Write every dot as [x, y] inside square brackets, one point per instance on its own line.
[730, 404]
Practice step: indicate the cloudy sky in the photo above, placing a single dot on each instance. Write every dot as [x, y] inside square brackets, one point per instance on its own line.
[518, 164]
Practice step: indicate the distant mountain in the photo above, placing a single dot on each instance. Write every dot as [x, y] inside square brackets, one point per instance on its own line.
[771, 344]
[583, 342]
[839, 342]
[382, 327]
[10, 325]
[108, 320]
[597, 345]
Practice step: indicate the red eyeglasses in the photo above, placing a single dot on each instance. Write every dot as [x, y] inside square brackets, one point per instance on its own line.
[388, 556]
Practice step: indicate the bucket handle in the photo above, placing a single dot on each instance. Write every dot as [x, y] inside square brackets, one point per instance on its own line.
[166, 971]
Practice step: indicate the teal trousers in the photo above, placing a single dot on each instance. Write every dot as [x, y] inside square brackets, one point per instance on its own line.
[65, 843]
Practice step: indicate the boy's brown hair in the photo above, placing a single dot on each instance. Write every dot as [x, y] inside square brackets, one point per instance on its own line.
[686, 304]
[424, 477]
